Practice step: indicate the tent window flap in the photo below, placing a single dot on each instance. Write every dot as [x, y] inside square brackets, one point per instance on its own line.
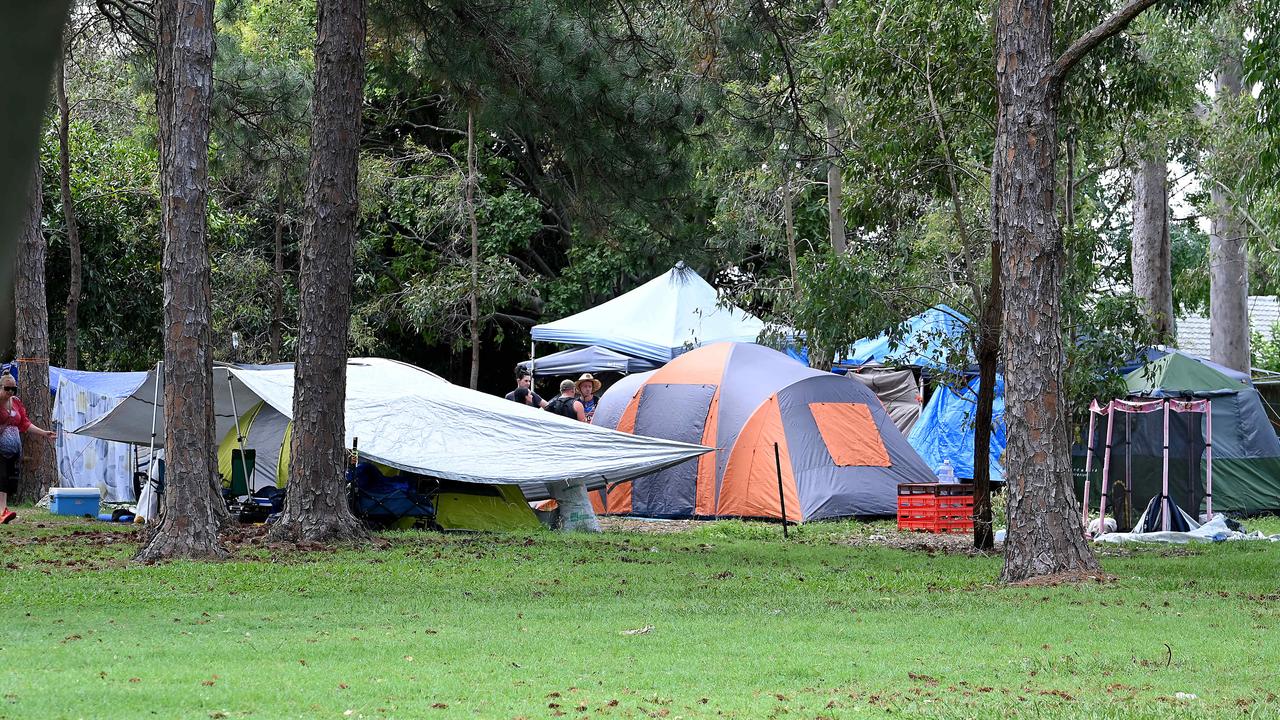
[850, 434]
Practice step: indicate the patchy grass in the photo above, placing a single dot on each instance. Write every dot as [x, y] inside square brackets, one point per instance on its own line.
[724, 620]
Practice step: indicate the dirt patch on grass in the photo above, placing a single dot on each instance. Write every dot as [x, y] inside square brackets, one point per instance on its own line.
[930, 543]
[610, 523]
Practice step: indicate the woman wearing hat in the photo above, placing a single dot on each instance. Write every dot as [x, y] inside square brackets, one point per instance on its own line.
[587, 389]
[13, 422]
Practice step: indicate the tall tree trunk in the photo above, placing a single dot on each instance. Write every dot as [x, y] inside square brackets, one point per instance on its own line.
[39, 469]
[1152, 254]
[1228, 258]
[316, 507]
[835, 191]
[190, 508]
[1045, 536]
[789, 227]
[988, 355]
[835, 184]
[475, 249]
[277, 281]
[72, 358]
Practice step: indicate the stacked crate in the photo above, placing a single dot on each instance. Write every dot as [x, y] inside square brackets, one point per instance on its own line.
[935, 507]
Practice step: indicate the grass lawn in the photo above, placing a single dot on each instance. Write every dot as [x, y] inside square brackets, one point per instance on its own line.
[731, 622]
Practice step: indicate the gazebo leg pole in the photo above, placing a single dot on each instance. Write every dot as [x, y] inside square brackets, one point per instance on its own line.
[1164, 486]
[1106, 469]
[1088, 467]
[1208, 455]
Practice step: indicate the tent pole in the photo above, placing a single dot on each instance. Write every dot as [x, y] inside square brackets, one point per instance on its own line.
[782, 502]
[244, 464]
[1088, 466]
[1164, 487]
[1106, 471]
[1208, 455]
[155, 405]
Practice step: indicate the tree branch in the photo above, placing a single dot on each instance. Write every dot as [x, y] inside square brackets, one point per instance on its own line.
[1081, 47]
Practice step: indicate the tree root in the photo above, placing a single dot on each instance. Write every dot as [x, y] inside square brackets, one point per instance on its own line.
[1064, 578]
[339, 529]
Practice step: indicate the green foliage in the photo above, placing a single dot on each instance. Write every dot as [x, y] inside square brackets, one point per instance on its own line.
[1266, 349]
[117, 213]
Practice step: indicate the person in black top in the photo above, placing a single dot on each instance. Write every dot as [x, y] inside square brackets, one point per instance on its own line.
[524, 382]
[567, 403]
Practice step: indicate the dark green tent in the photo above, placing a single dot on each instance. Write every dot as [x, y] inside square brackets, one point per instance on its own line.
[1246, 451]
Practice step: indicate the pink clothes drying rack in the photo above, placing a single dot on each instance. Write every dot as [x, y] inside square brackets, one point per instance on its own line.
[1128, 407]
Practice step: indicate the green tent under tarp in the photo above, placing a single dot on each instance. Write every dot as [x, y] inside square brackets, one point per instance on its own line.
[1246, 451]
[470, 506]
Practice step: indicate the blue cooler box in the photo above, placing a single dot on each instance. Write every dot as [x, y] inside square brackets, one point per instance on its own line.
[74, 501]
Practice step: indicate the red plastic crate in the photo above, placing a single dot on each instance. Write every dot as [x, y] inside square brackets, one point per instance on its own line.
[935, 507]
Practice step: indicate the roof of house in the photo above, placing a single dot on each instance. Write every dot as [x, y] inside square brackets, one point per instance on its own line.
[1193, 330]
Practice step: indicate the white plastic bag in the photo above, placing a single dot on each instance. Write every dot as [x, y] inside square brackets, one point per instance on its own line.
[576, 513]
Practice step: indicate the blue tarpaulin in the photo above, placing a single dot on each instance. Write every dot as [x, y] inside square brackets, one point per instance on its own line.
[927, 340]
[945, 429]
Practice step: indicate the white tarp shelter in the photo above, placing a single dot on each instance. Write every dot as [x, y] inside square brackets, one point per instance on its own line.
[410, 419]
[659, 320]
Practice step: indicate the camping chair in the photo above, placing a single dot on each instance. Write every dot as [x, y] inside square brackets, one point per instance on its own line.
[381, 501]
[243, 463]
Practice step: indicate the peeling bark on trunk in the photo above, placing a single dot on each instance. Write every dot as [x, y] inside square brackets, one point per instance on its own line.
[71, 360]
[988, 355]
[1228, 259]
[475, 250]
[39, 469]
[1152, 253]
[316, 507]
[277, 282]
[1045, 536]
[190, 513]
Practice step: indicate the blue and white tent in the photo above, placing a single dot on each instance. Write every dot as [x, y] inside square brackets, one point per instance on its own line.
[945, 429]
[78, 397]
[663, 318]
[927, 340]
[89, 462]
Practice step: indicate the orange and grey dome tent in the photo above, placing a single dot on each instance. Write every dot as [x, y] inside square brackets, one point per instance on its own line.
[840, 453]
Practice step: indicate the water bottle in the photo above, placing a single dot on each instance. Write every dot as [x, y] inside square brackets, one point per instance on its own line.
[946, 473]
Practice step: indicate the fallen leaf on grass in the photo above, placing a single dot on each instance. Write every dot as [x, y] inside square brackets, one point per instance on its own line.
[439, 706]
[927, 680]
[638, 631]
